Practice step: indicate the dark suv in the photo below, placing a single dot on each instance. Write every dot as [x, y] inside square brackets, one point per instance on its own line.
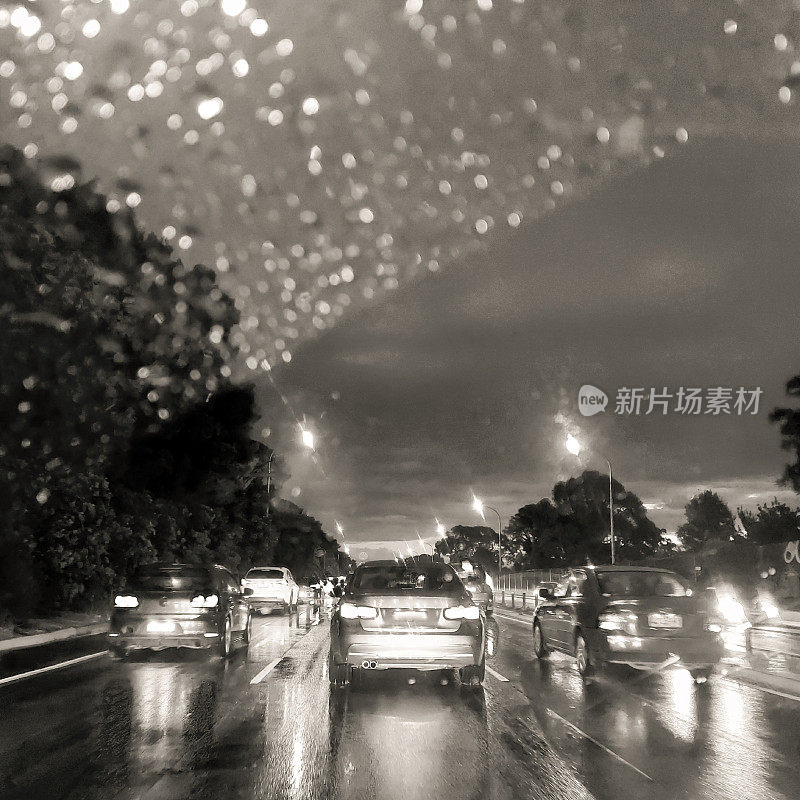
[643, 617]
[180, 605]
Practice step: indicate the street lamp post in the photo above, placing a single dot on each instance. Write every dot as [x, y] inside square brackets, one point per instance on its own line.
[574, 447]
[479, 506]
[269, 473]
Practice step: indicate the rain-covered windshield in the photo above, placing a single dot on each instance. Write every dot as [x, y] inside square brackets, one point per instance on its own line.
[400, 579]
[636, 583]
[166, 579]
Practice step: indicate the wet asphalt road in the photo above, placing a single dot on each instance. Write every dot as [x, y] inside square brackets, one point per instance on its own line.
[265, 725]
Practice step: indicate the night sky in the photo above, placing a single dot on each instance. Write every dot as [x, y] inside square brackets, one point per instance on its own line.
[421, 210]
[683, 274]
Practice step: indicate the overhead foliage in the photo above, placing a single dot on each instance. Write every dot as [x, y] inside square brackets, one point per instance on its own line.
[122, 439]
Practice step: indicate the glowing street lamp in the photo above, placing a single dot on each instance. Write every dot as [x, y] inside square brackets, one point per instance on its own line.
[478, 506]
[307, 438]
[440, 529]
[574, 447]
[339, 528]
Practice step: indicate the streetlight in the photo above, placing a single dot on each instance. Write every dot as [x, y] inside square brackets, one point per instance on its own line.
[269, 472]
[307, 438]
[574, 447]
[479, 506]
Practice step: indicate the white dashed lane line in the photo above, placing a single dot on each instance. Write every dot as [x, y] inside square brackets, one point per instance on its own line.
[52, 668]
[266, 671]
[497, 675]
[594, 741]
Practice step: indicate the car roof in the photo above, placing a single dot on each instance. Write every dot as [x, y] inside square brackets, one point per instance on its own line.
[265, 566]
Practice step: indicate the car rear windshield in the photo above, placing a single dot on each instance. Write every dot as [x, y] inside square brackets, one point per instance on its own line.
[170, 579]
[623, 583]
[399, 579]
[262, 574]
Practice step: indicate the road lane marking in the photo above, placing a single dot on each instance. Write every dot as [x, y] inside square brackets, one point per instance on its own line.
[266, 671]
[598, 744]
[497, 675]
[52, 668]
[732, 677]
[525, 622]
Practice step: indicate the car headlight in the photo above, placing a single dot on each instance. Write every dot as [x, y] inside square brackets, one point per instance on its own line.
[771, 610]
[207, 601]
[617, 621]
[126, 601]
[352, 611]
[462, 612]
[713, 627]
[731, 609]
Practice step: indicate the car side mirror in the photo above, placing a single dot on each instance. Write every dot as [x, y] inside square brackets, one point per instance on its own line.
[544, 594]
[247, 592]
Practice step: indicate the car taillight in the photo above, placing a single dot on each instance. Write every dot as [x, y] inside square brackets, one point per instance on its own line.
[352, 611]
[207, 601]
[462, 612]
[617, 621]
[126, 601]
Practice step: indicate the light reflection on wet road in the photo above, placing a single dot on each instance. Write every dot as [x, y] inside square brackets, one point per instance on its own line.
[183, 726]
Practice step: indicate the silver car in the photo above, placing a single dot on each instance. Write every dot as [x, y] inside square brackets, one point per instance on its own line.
[407, 615]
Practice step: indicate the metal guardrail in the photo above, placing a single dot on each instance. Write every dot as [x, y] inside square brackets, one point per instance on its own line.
[519, 601]
[774, 640]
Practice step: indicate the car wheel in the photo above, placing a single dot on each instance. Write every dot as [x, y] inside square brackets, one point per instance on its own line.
[226, 643]
[583, 659]
[339, 675]
[702, 674]
[540, 649]
[248, 630]
[472, 676]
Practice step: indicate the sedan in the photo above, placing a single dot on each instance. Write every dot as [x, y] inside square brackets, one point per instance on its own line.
[180, 605]
[410, 615]
[646, 618]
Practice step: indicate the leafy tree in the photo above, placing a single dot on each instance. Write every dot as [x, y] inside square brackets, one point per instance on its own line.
[573, 528]
[772, 523]
[708, 519]
[477, 543]
[536, 534]
[299, 538]
[105, 335]
[788, 419]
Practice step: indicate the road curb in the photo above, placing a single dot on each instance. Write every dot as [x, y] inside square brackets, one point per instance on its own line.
[779, 684]
[23, 642]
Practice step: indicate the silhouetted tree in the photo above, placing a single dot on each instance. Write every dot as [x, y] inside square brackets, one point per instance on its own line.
[772, 523]
[788, 419]
[708, 519]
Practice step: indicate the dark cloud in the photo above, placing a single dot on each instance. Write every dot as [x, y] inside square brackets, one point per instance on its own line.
[683, 274]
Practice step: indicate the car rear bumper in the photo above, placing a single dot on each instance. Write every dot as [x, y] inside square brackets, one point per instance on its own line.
[411, 651]
[131, 633]
[155, 642]
[644, 652]
[266, 602]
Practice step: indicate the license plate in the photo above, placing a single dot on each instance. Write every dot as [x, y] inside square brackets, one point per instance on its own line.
[160, 626]
[665, 621]
[409, 614]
